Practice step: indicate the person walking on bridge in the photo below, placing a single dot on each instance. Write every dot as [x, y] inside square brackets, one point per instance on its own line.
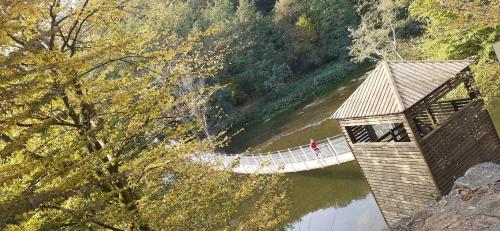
[314, 147]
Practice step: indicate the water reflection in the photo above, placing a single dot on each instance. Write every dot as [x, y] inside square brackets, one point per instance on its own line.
[365, 211]
[334, 186]
[335, 195]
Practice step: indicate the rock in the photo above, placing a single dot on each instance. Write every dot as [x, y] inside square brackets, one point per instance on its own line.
[472, 204]
[465, 193]
[478, 176]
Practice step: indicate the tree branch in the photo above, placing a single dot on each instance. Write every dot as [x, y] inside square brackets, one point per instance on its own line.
[53, 24]
[105, 63]
[75, 117]
[64, 40]
[54, 121]
[64, 123]
[106, 225]
[24, 125]
[17, 40]
[63, 18]
[145, 68]
[5, 138]
[75, 24]
[77, 32]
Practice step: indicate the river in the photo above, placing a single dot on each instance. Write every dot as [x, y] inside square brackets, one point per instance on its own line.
[333, 198]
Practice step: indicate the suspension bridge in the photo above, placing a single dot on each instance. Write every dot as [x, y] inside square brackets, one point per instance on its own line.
[332, 151]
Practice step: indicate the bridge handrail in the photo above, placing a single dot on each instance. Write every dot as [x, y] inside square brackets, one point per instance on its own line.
[333, 150]
[320, 142]
[296, 154]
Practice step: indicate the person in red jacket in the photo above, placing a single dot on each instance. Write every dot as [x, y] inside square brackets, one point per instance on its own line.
[314, 146]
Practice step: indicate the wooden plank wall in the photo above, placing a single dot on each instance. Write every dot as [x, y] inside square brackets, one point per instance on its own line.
[466, 139]
[396, 171]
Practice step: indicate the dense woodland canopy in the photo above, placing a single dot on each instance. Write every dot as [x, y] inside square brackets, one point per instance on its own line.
[432, 30]
[103, 103]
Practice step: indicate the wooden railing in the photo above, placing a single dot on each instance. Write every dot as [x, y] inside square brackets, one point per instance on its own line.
[397, 134]
[437, 113]
[378, 133]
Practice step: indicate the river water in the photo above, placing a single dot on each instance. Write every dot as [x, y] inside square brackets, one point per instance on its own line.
[332, 198]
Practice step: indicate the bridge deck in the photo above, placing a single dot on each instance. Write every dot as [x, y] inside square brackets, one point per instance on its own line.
[333, 151]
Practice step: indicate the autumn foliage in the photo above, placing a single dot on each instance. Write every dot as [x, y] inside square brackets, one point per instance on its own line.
[97, 132]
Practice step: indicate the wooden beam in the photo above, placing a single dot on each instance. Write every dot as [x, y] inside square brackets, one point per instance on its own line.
[471, 88]
[454, 105]
[371, 133]
[433, 119]
[438, 93]
[392, 83]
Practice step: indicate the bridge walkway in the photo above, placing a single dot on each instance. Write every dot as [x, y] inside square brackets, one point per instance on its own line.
[333, 151]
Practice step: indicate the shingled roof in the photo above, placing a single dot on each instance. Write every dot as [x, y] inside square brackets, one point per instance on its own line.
[394, 86]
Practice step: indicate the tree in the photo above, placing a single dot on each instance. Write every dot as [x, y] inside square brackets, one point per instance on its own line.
[269, 48]
[95, 133]
[287, 11]
[459, 29]
[332, 20]
[378, 34]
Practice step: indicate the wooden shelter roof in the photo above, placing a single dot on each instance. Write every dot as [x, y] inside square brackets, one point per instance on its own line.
[394, 86]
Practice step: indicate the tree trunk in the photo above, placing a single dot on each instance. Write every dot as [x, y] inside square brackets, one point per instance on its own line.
[394, 43]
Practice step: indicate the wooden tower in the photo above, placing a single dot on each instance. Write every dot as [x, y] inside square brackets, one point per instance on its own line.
[411, 136]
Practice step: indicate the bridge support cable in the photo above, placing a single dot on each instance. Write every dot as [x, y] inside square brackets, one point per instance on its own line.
[319, 157]
[284, 160]
[305, 157]
[333, 149]
[293, 158]
[272, 159]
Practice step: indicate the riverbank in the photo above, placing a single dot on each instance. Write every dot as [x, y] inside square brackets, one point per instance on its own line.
[294, 94]
[472, 204]
[298, 123]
